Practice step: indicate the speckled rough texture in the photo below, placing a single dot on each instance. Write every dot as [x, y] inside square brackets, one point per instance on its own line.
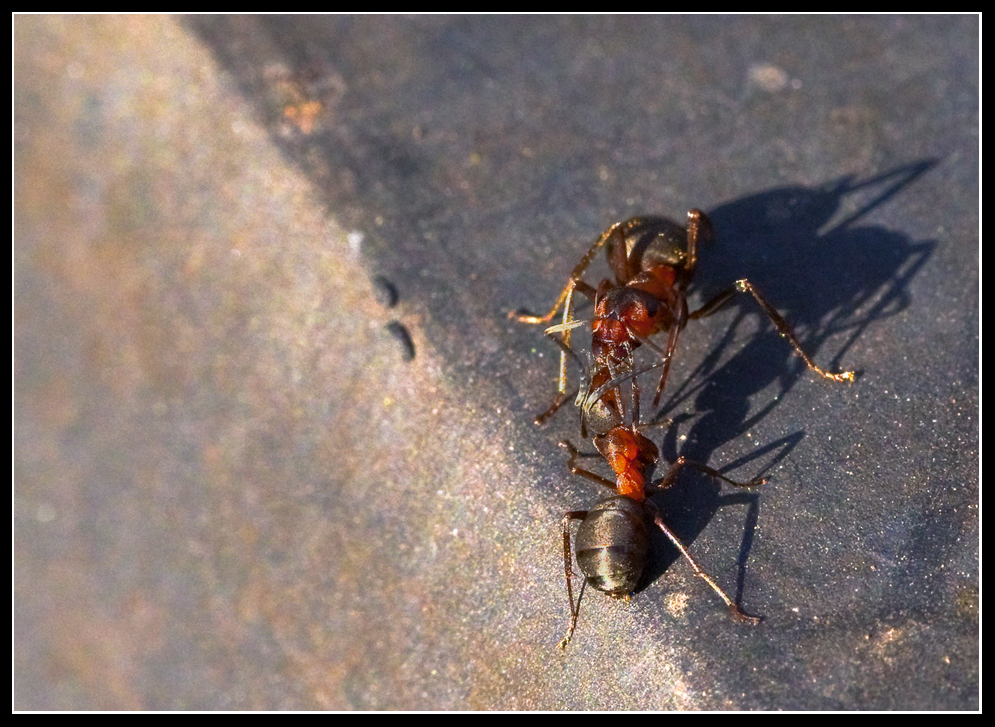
[232, 490]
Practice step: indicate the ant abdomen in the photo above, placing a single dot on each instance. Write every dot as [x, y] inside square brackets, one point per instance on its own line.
[653, 241]
[612, 543]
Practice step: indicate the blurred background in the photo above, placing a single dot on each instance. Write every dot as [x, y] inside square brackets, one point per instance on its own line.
[273, 427]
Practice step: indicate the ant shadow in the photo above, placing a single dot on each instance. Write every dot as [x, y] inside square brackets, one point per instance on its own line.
[826, 278]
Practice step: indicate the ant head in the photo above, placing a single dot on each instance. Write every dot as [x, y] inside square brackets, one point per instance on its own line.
[601, 402]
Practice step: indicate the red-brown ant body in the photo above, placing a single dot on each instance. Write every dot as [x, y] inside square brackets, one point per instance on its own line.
[653, 260]
[612, 541]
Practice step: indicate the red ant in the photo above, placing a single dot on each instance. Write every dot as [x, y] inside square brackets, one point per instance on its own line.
[612, 540]
[653, 260]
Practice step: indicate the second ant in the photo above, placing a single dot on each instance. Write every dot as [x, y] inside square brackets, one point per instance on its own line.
[612, 542]
[653, 260]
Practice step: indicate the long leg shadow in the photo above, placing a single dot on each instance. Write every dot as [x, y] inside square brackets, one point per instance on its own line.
[859, 275]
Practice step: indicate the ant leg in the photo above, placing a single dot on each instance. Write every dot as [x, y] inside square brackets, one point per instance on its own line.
[681, 462]
[561, 386]
[634, 389]
[734, 610]
[745, 286]
[527, 318]
[575, 277]
[553, 408]
[699, 229]
[565, 329]
[715, 304]
[593, 396]
[574, 469]
[680, 320]
[565, 349]
[567, 562]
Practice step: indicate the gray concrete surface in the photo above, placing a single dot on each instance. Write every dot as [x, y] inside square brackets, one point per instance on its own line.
[231, 490]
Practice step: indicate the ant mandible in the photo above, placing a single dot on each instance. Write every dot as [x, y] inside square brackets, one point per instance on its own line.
[653, 260]
[612, 541]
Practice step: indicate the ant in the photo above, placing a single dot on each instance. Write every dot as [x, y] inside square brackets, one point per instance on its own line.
[653, 260]
[612, 541]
